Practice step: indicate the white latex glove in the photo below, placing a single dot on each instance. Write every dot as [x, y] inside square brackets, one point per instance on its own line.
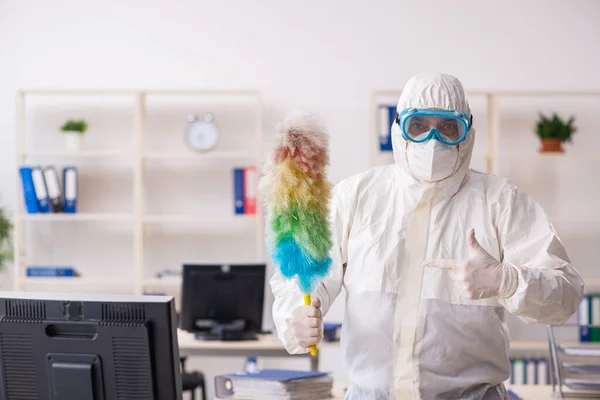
[481, 275]
[307, 324]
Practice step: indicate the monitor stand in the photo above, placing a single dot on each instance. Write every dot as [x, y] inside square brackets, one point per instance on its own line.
[232, 331]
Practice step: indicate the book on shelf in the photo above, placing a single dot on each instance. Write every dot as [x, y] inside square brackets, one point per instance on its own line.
[385, 119]
[529, 371]
[274, 384]
[51, 272]
[244, 190]
[42, 189]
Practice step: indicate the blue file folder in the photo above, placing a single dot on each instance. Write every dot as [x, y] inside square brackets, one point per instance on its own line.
[31, 202]
[238, 190]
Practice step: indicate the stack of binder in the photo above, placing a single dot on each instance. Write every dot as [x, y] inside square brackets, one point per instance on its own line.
[42, 189]
[272, 384]
[529, 371]
[574, 367]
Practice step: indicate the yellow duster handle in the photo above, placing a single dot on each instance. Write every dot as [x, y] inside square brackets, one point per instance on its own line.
[313, 347]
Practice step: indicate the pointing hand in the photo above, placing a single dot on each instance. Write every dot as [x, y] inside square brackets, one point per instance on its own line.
[481, 275]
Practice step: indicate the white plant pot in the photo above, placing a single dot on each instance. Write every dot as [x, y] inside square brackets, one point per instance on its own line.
[73, 141]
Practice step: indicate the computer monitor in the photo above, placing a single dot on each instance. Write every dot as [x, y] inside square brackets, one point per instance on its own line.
[222, 301]
[88, 347]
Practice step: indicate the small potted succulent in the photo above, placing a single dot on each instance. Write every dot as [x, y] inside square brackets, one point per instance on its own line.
[5, 241]
[553, 132]
[73, 131]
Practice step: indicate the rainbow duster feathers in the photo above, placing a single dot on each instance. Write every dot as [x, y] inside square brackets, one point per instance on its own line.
[297, 193]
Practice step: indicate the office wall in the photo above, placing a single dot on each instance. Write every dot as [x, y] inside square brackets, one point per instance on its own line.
[326, 56]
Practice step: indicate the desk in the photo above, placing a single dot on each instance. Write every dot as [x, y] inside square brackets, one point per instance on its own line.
[338, 393]
[265, 346]
[527, 392]
[534, 392]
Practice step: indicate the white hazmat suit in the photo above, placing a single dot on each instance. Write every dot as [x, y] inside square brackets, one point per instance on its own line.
[409, 331]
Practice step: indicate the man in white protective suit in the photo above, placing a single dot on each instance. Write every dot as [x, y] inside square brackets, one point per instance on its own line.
[431, 254]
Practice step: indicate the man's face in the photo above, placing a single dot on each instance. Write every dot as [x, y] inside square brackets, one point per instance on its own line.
[420, 125]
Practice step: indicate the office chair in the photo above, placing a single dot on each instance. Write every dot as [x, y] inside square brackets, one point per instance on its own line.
[191, 381]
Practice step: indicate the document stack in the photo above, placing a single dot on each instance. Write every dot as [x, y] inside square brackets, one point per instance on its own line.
[574, 367]
[274, 385]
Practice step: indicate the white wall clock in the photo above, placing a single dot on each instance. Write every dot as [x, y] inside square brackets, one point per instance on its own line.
[201, 133]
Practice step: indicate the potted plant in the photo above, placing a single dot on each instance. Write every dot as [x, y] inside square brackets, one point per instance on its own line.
[73, 131]
[5, 241]
[553, 132]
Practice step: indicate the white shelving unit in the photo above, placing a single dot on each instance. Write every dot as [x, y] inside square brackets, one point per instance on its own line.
[137, 159]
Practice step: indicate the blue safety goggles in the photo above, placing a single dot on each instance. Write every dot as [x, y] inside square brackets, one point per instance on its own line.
[419, 125]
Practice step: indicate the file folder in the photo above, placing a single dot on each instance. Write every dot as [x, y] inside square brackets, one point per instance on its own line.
[542, 373]
[584, 319]
[238, 190]
[40, 189]
[70, 189]
[51, 272]
[386, 117]
[29, 196]
[250, 190]
[53, 186]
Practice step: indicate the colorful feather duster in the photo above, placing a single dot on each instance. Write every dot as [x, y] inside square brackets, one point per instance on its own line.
[297, 193]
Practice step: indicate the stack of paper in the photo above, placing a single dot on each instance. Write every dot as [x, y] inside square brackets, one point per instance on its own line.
[274, 385]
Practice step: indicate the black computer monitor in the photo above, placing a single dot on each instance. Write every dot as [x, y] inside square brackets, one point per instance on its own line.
[88, 347]
[222, 301]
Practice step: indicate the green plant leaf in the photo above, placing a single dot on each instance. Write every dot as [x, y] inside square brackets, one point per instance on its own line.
[555, 128]
[6, 253]
[74, 126]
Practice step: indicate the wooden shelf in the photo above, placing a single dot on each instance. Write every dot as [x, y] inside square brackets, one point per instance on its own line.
[208, 156]
[508, 93]
[79, 154]
[209, 219]
[115, 92]
[75, 217]
[529, 345]
[542, 345]
[171, 281]
[75, 280]
[592, 281]
[575, 219]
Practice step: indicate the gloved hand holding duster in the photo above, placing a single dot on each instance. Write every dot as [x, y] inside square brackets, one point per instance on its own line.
[297, 193]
